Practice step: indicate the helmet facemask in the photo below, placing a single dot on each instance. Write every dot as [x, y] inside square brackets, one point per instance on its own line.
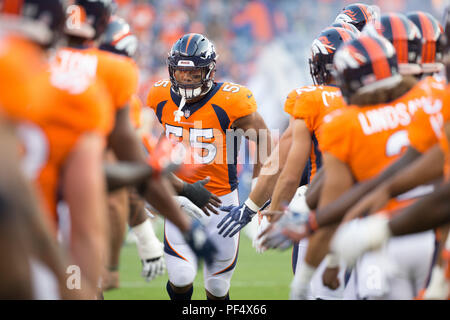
[192, 90]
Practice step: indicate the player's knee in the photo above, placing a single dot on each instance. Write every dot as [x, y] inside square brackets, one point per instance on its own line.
[182, 277]
[217, 287]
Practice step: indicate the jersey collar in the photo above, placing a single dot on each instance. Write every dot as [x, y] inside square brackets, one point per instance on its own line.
[197, 105]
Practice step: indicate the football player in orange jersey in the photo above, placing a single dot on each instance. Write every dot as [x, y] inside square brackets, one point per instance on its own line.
[425, 130]
[412, 169]
[86, 21]
[124, 205]
[195, 109]
[403, 34]
[312, 105]
[411, 219]
[363, 147]
[24, 34]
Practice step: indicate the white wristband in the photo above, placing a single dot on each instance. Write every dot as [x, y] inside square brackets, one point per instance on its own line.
[332, 260]
[254, 182]
[252, 206]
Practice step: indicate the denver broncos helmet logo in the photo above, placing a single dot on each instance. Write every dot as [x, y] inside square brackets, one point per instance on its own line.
[350, 14]
[327, 44]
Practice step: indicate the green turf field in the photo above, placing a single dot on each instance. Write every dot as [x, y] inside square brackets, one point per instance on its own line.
[257, 276]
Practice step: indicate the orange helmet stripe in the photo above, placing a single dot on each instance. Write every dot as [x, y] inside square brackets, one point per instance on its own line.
[427, 33]
[380, 64]
[120, 38]
[399, 32]
[188, 41]
[364, 11]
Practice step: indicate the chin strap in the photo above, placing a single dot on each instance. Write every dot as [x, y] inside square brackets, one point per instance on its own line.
[178, 113]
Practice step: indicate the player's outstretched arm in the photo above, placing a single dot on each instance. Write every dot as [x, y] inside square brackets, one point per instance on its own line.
[425, 169]
[334, 212]
[262, 137]
[263, 189]
[197, 193]
[291, 174]
[157, 192]
[83, 188]
[239, 216]
[125, 174]
[412, 219]
[357, 236]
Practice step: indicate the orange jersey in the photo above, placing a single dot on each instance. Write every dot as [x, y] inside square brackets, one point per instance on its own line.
[312, 104]
[290, 101]
[135, 111]
[369, 138]
[425, 129]
[205, 127]
[20, 62]
[119, 73]
[444, 144]
[79, 104]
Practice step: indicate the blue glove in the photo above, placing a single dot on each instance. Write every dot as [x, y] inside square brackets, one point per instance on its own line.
[199, 242]
[240, 215]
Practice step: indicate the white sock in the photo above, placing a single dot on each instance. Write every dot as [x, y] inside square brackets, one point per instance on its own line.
[300, 286]
[147, 243]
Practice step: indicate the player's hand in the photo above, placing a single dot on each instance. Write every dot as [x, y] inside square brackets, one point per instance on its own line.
[330, 278]
[274, 238]
[197, 238]
[291, 225]
[202, 198]
[371, 203]
[263, 224]
[152, 268]
[357, 236]
[237, 218]
[187, 206]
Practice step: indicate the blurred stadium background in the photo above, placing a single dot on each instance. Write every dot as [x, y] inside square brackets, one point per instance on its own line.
[263, 44]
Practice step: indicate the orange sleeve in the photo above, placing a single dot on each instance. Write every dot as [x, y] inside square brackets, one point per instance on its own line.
[290, 102]
[336, 137]
[157, 94]
[306, 107]
[446, 105]
[420, 131]
[151, 98]
[126, 80]
[305, 97]
[242, 104]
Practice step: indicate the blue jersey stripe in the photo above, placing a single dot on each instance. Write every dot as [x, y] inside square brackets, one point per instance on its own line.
[159, 110]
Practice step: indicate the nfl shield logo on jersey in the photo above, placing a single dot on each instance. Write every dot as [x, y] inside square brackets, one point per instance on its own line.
[187, 113]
